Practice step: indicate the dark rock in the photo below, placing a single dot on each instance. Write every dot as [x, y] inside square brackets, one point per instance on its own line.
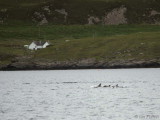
[29, 64]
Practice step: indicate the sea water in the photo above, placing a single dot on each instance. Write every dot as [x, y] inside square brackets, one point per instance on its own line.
[68, 95]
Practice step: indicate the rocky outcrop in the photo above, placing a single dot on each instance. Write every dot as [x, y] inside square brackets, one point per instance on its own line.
[40, 18]
[93, 20]
[3, 15]
[47, 10]
[63, 12]
[153, 14]
[116, 16]
[29, 64]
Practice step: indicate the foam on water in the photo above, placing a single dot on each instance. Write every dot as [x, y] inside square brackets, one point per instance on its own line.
[68, 95]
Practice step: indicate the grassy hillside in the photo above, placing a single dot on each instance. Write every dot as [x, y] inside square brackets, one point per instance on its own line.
[78, 11]
[65, 24]
[120, 47]
[77, 42]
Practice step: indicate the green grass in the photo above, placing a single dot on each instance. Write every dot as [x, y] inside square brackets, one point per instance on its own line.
[53, 32]
[122, 42]
[138, 46]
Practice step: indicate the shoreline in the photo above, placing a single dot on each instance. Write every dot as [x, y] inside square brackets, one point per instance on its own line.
[85, 64]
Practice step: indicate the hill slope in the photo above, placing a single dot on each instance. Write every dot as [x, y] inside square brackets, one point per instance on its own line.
[80, 46]
[79, 11]
[83, 33]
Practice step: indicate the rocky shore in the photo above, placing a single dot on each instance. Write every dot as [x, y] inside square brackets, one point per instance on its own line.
[29, 64]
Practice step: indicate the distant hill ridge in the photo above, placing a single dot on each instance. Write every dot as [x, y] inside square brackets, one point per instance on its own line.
[80, 12]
